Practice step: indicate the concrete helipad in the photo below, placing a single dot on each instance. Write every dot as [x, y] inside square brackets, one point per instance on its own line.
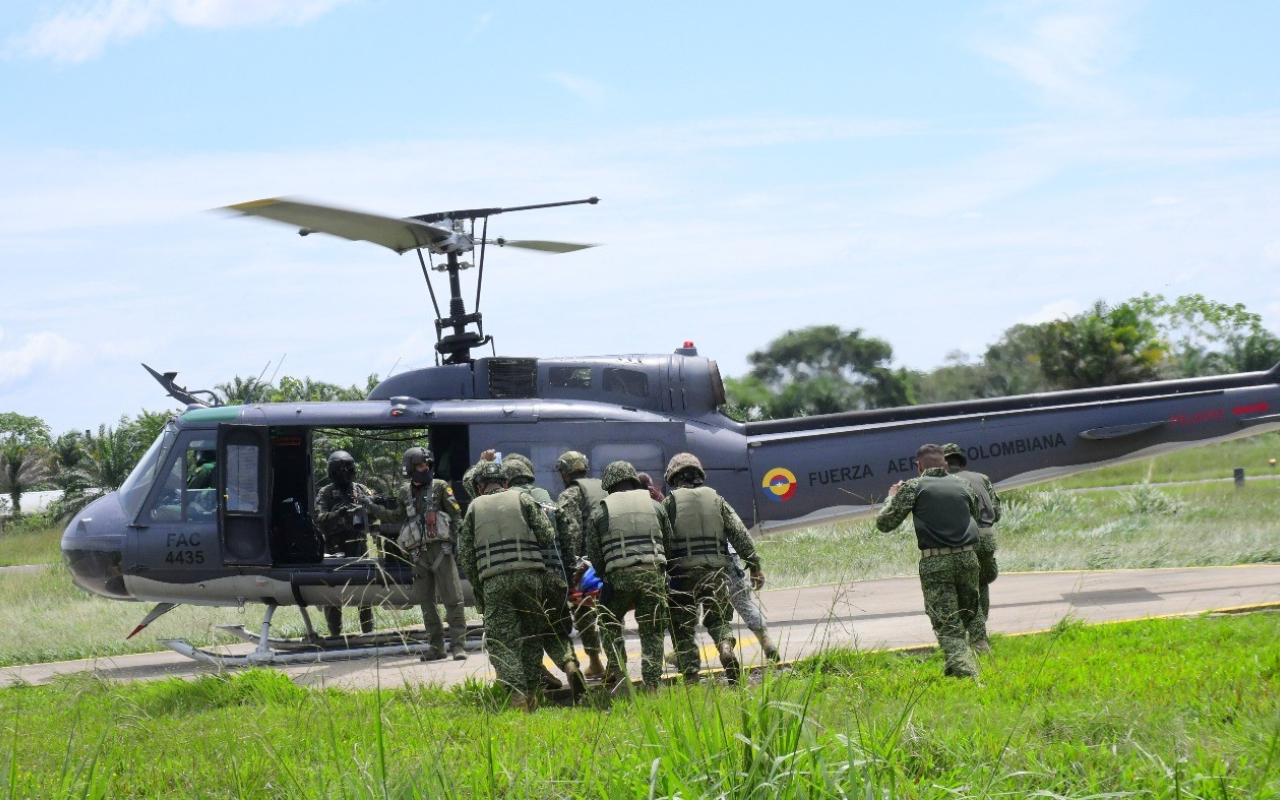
[870, 615]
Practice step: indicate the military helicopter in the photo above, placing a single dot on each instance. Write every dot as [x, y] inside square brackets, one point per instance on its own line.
[158, 541]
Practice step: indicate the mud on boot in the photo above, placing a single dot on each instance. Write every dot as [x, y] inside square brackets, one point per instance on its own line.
[729, 660]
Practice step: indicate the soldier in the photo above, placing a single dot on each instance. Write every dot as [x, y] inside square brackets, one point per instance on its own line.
[945, 512]
[698, 563]
[573, 508]
[343, 517]
[627, 539]
[430, 515]
[204, 475]
[501, 545]
[989, 509]
[521, 477]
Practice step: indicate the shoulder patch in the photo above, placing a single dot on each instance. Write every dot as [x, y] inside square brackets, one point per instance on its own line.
[449, 490]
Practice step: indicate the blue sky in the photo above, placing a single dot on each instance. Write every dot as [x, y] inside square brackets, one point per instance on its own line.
[930, 172]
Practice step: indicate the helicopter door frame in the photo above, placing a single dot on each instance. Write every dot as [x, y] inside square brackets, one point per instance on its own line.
[244, 494]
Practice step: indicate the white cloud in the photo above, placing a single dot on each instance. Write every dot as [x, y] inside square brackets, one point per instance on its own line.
[480, 26]
[83, 32]
[1066, 50]
[586, 89]
[37, 349]
[1058, 309]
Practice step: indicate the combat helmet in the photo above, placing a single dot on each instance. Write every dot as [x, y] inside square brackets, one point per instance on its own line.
[518, 466]
[953, 450]
[490, 472]
[341, 467]
[681, 462]
[572, 463]
[616, 473]
[415, 456]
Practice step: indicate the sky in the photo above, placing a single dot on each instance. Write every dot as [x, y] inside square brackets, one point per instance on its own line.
[931, 173]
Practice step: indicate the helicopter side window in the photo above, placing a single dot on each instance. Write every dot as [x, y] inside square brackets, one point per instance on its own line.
[570, 377]
[242, 478]
[631, 382]
[188, 492]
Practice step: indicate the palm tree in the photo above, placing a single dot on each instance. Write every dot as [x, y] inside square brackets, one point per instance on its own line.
[108, 459]
[22, 466]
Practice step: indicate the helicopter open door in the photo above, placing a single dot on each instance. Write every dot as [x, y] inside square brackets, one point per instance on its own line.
[243, 492]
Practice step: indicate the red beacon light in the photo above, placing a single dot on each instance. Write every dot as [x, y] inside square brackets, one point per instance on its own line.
[688, 349]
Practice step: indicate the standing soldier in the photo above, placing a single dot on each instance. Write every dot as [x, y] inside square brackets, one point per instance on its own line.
[627, 538]
[573, 509]
[989, 508]
[343, 512]
[430, 515]
[698, 562]
[945, 513]
[501, 544]
[520, 478]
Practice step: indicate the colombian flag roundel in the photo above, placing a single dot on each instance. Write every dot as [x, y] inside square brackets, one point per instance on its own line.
[779, 485]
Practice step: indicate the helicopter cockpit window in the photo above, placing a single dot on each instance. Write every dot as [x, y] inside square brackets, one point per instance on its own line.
[631, 382]
[189, 490]
[570, 377]
[134, 490]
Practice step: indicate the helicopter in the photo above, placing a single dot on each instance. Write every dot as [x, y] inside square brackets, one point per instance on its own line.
[250, 539]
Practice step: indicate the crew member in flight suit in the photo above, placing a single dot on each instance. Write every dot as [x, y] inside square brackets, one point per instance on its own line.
[343, 517]
[989, 510]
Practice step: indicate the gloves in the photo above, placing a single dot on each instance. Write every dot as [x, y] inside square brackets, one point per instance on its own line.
[757, 579]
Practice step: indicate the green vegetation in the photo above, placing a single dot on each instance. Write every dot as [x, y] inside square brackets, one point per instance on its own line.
[1053, 717]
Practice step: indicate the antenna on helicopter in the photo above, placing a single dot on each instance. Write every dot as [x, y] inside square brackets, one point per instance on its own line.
[445, 233]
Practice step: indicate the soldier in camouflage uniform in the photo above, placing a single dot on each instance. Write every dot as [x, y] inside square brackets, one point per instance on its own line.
[945, 513]
[628, 536]
[344, 514]
[573, 508]
[501, 545]
[698, 563]
[521, 477]
[469, 477]
[989, 509]
[430, 517]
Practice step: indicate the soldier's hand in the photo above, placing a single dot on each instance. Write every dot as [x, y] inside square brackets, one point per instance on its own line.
[894, 488]
[489, 455]
[757, 579]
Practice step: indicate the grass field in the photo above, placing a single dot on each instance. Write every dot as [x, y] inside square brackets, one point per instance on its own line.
[1053, 717]
[1143, 526]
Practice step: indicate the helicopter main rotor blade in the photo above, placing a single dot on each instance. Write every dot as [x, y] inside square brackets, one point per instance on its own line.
[543, 246]
[400, 235]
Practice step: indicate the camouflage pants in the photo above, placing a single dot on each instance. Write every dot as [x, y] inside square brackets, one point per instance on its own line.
[558, 637]
[435, 575]
[950, 586]
[516, 627]
[586, 620]
[987, 570]
[708, 588]
[740, 596]
[644, 592]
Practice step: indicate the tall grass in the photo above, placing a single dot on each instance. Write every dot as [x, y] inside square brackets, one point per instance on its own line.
[1168, 708]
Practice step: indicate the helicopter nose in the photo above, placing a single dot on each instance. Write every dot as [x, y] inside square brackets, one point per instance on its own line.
[93, 548]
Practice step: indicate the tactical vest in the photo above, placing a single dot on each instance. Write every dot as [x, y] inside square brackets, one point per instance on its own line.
[699, 530]
[552, 559]
[504, 542]
[986, 509]
[634, 536]
[941, 513]
[592, 494]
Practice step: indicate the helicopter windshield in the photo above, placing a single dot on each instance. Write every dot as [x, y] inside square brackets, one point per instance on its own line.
[135, 488]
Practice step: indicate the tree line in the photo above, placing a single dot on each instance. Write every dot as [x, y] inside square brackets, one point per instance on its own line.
[821, 369]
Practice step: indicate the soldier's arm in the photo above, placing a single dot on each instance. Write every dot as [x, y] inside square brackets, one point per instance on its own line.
[898, 507]
[323, 514]
[467, 549]
[569, 520]
[975, 509]
[736, 532]
[404, 500]
[375, 509]
[996, 503]
[538, 523]
[446, 502]
[664, 522]
[595, 529]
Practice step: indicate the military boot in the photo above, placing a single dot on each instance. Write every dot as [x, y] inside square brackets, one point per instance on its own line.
[595, 667]
[433, 653]
[551, 682]
[520, 702]
[459, 652]
[981, 647]
[729, 660]
[577, 684]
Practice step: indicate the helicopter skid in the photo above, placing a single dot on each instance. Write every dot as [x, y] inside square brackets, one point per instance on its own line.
[273, 652]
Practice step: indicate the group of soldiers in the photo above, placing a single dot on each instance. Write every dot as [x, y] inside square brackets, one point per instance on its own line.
[670, 562]
[953, 510]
